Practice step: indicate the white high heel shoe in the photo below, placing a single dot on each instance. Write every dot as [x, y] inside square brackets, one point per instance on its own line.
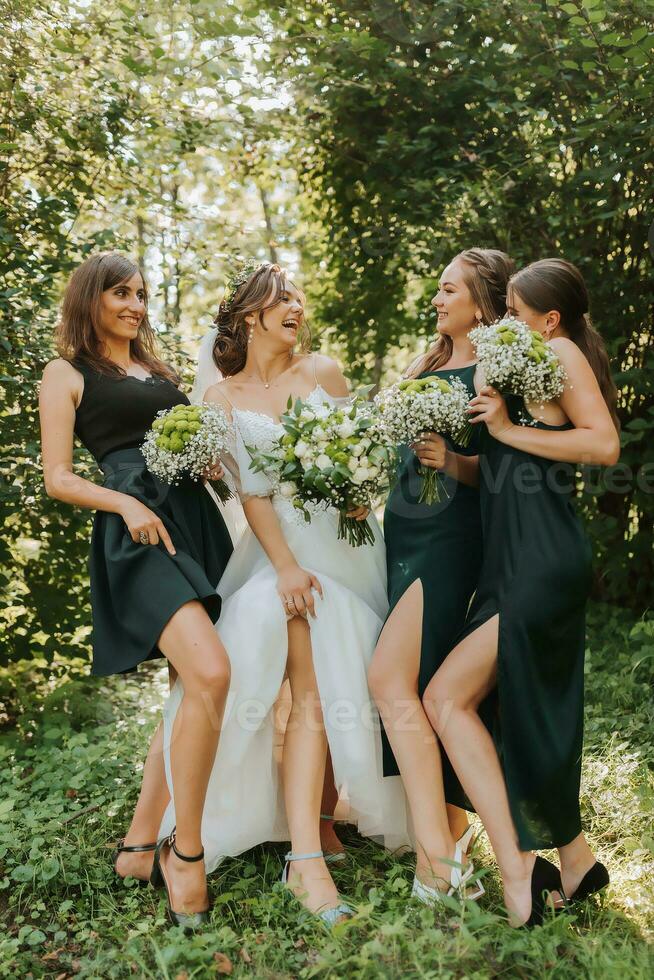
[459, 878]
[465, 840]
[329, 916]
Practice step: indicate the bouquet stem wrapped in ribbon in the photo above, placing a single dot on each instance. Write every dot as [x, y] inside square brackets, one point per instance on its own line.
[186, 440]
[416, 405]
[330, 457]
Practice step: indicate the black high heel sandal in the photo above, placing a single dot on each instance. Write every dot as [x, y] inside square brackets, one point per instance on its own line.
[123, 848]
[593, 881]
[187, 920]
[545, 879]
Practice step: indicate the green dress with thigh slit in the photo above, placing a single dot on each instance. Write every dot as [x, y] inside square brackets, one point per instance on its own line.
[536, 577]
[441, 546]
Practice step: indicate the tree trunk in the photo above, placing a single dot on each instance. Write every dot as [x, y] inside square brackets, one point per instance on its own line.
[271, 243]
[377, 370]
[140, 241]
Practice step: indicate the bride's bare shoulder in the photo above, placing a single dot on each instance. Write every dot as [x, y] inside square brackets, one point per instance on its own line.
[327, 372]
[221, 394]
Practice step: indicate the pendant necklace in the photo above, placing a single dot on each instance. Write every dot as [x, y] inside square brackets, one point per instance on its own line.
[266, 384]
[260, 381]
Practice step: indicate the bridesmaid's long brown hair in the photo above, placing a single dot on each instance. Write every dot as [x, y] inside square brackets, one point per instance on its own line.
[555, 284]
[77, 331]
[486, 273]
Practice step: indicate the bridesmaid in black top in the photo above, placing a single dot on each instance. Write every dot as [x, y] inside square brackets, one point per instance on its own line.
[434, 556]
[111, 421]
[523, 645]
[157, 552]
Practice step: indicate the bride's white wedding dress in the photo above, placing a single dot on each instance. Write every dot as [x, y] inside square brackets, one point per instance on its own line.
[244, 804]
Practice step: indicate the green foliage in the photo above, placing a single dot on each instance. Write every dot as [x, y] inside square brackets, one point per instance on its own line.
[426, 128]
[116, 130]
[68, 781]
[406, 132]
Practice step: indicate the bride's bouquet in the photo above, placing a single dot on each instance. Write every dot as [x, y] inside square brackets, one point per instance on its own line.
[184, 441]
[334, 457]
[517, 361]
[408, 408]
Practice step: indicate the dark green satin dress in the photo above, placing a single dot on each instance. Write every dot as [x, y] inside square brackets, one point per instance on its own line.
[440, 544]
[536, 575]
[136, 588]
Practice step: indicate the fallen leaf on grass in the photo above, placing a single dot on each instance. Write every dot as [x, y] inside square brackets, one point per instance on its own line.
[223, 963]
[245, 956]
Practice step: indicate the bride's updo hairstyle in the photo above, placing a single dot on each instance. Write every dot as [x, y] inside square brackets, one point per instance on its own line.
[486, 273]
[262, 290]
[555, 284]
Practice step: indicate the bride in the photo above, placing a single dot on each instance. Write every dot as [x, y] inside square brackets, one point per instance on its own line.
[296, 600]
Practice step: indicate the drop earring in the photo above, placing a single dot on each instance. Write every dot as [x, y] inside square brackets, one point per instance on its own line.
[250, 335]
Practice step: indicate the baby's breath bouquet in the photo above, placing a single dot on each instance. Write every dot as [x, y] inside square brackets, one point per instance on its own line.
[331, 457]
[517, 361]
[184, 441]
[416, 405]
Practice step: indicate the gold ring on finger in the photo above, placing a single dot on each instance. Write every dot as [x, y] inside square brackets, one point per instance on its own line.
[144, 537]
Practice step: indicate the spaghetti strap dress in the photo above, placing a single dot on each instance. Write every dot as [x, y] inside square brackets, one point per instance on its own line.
[536, 576]
[441, 545]
[136, 588]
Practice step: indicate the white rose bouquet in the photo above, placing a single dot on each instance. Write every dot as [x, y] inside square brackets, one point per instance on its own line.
[335, 457]
[186, 440]
[408, 408]
[517, 361]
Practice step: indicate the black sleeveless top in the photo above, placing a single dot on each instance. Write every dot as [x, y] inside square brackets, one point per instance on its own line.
[116, 412]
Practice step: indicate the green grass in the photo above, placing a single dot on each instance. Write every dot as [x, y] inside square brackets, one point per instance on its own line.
[68, 781]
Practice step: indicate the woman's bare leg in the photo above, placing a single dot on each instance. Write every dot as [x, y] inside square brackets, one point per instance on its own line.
[576, 859]
[451, 701]
[191, 644]
[329, 840]
[150, 806]
[393, 679]
[457, 820]
[305, 751]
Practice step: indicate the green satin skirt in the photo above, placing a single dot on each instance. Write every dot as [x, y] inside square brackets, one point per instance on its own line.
[536, 577]
[441, 546]
[136, 588]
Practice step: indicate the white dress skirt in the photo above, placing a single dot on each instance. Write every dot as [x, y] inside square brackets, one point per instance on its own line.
[244, 804]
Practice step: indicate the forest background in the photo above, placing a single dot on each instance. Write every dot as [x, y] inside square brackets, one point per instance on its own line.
[359, 143]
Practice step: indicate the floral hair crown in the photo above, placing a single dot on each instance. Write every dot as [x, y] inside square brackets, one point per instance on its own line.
[237, 278]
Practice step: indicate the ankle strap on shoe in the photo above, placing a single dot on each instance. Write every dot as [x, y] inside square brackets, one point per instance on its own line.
[303, 857]
[123, 848]
[184, 857]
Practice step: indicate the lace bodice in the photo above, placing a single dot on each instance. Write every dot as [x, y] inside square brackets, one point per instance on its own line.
[260, 431]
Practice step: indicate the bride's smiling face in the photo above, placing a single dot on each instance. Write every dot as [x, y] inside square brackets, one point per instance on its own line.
[281, 324]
